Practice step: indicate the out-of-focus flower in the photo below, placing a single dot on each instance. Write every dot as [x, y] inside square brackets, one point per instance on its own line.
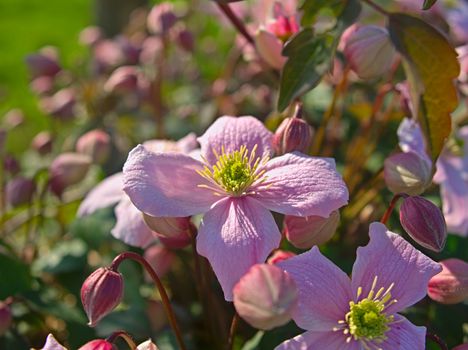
[66, 170]
[61, 104]
[161, 18]
[185, 39]
[368, 50]
[101, 292]
[13, 118]
[95, 144]
[11, 165]
[451, 285]
[123, 80]
[42, 142]
[5, 317]
[160, 258]
[389, 275]
[151, 48]
[19, 191]
[461, 347]
[42, 85]
[279, 255]
[305, 232]
[424, 222]
[98, 344]
[44, 63]
[107, 55]
[458, 20]
[90, 35]
[293, 134]
[265, 296]
[235, 187]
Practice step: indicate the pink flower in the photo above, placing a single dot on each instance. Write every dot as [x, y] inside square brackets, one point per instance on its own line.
[235, 186]
[360, 313]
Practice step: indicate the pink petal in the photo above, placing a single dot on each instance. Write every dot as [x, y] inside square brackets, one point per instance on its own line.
[235, 235]
[108, 192]
[52, 344]
[232, 133]
[300, 185]
[130, 227]
[324, 290]
[411, 139]
[403, 335]
[393, 260]
[166, 184]
[327, 340]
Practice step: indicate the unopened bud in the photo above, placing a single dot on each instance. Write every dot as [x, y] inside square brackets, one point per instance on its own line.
[147, 345]
[19, 191]
[160, 258]
[293, 134]
[269, 47]
[407, 172]
[98, 344]
[279, 255]
[450, 286]
[42, 64]
[43, 85]
[5, 317]
[265, 296]
[11, 165]
[122, 80]
[101, 293]
[424, 222]
[305, 232]
[185, 39]
[161, 18]
[42, 142]
[368, 50]
[90, 35]
[167, 226]
[68, 169]
[61, 104]
[95, 144]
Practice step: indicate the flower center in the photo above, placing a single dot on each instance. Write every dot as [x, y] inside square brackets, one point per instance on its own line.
[233, 172]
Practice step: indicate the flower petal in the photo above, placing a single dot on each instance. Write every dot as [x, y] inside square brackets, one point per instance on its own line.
[231, 133]
[393, 260]
[52, 344]
[327, 340]
[235, 235]
[403, 335]
[299, 185]
[324, 290]
[411, 139]
[108, 192]
[166, 184]
[130, 227]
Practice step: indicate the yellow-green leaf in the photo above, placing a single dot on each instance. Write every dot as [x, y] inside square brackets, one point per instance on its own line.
[431, 66]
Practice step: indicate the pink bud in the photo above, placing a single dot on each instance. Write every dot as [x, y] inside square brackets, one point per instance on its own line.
[151, 48]
[90, 35]
[43, 63]
[269, 48]
[5, 317]
[279, 255]
[98, 344]
[147, 345]
[161, 18]
[185, 39]
[368, 50]
[95, 144]
[61, 104]
[424, 222]
[450, 286]
[407, 173]
[42, 142]
[14, 118]
[68, 169]
[293, 134]
[20, 191]
[101, 293]
[305, 232]
[160, 258]
[123, 80]
[108, 54]
[265, 296]
[283, 27]
[42, 85]
[11, 165]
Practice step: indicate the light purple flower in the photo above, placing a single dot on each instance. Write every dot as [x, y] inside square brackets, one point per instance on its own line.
[235, 187]
[360, 313]
[52, 344]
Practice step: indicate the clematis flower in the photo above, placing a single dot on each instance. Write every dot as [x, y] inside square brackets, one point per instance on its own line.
[360, 313]
[130, 226]
[235, 186]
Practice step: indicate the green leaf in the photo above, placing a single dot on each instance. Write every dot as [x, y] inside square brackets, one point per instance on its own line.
[310, 56]
[14, 276]
[311, 9]
[428, 4]
[431, 66]
[66, 256]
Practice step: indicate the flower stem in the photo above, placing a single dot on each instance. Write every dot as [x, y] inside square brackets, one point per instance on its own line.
[389, 210]
[232, 331]
[125, 336]
[436, 339]
[376, 7]
[165, 299]
[224, 7]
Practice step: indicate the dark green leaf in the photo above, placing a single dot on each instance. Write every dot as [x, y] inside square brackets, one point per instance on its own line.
[14, 276]
[428, 4]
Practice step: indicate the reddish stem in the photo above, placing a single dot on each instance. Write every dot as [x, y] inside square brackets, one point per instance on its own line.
[125, 336]
[436, 339]
[232, 331]
[389, 210]
[226, 9]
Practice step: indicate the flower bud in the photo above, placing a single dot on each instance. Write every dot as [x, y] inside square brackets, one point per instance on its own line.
[14, 118]
[407, 173]
[101, 293]
[90, 35]
[108, 54]
[42, 143]
[20, 191]
[269, 47]
[43, 64]
[368, 50]
[11, 165]
[147, 345]
[98, 344]
[95, 144]
[265, 296]
[61, 104]
[450, 286]
[122, 80]
[424, 222]
[5, 317]
[185, 39]
[161, 18]
[160, 258]
[279, 255]
[293, 134]
[42, 85]
[52, 344]
[66, 170]
[305, 232]
[167, 226]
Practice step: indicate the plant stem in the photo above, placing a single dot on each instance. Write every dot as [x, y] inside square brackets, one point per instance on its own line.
[436, 339]
[125, 336]
[165, 299]
[232, 331]
[389, 210]
[224, 7]
[376, 7]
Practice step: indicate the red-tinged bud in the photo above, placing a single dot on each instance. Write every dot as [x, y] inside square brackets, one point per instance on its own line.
[5, 317]
[269, 47]
[90, 35]
[450, 286]
[42, 85]
[407, 173]
[424, 222]
[279, 255]
[265, 296]
[368, 50]
[66, 170]
[293, 134]
[61, 104]
[11, 165]
[95, 144]
[160, 258]
[98, 344]
[42, 143]
[108, 54]
[305, 232]
[20, 191]
[43, 63]
[161, 18]
[185, 40]
[176, 242]
[123, 80]
[101, 293]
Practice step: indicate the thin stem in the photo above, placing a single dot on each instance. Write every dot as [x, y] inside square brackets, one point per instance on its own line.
[224, 7]
[165, 299]
[389, 210]
[376, 7]
[436, 339]
[232, 331]
[125, 336]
